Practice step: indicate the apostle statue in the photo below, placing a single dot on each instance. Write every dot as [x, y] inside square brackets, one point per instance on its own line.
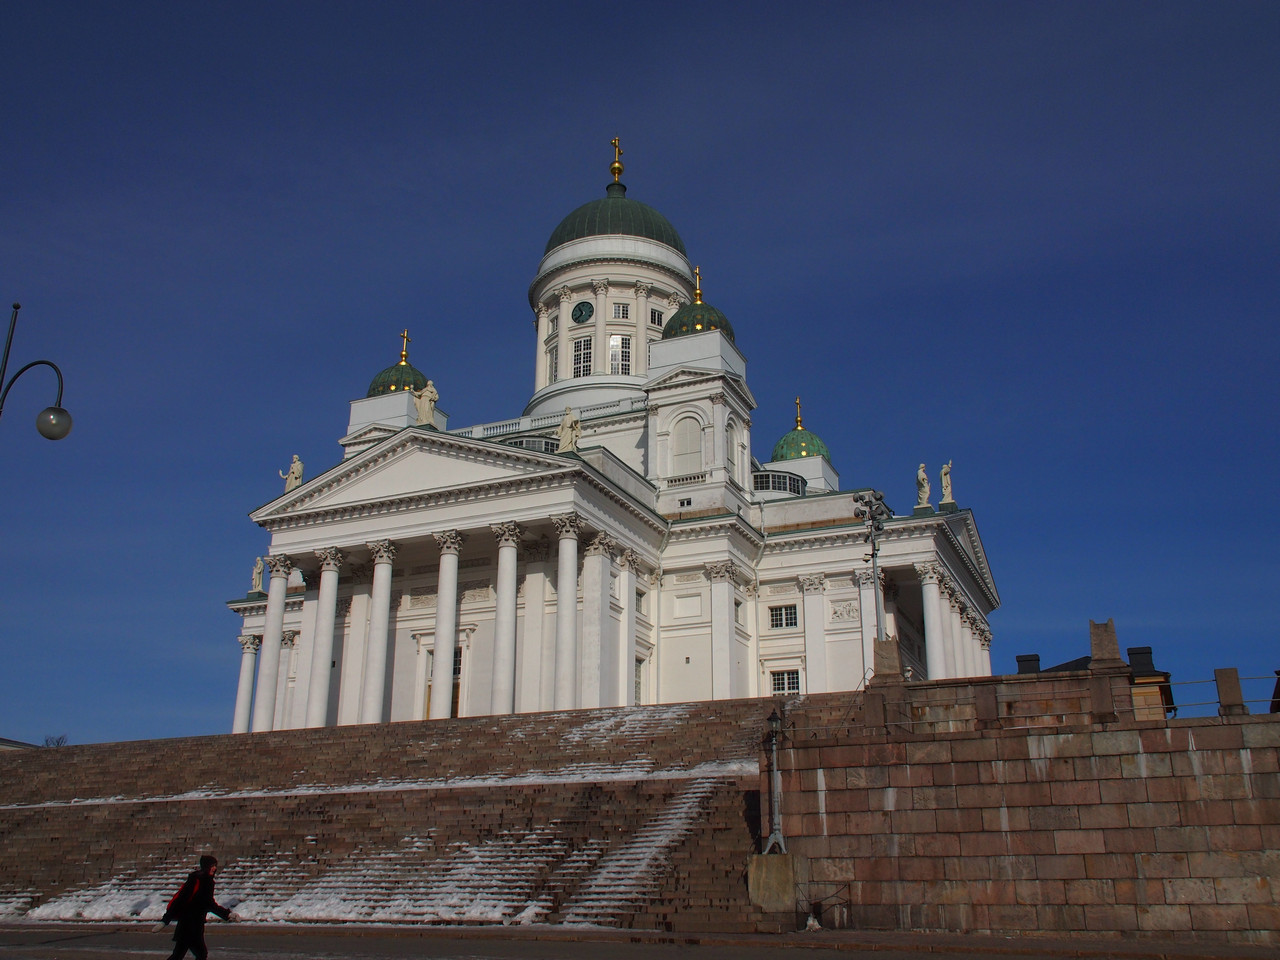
[569, 432]
[922, 487]
[424, 403]
[292, 479]
[255, 585]
[946, 483]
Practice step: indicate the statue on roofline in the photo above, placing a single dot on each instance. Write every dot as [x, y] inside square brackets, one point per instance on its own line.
[922, 487]
[946, 483]
[292, 479]
[569, 432]
[424, 404]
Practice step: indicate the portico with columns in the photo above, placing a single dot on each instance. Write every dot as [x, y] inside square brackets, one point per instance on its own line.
[616, 543]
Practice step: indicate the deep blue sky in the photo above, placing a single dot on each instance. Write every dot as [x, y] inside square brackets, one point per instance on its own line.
[1039, 239]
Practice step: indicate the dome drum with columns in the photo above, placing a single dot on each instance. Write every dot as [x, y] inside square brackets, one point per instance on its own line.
[614, 544]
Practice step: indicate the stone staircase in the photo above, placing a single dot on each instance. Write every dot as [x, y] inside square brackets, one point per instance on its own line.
[641, 817]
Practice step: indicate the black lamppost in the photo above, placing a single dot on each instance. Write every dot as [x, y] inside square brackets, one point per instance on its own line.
[775, 787]
[52, 422]
[875, 513]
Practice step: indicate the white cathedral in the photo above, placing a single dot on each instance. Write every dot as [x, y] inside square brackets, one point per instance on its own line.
[615, 544]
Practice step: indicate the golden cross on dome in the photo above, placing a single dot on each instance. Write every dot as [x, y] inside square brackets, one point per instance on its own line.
[404, 346]
[697, 288]
[616, 167]
[799, 425]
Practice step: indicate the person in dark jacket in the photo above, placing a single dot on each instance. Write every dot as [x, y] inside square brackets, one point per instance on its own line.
[189, 907]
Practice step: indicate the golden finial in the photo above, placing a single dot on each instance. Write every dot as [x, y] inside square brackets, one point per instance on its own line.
[404, 346]
[697, 285]
[799, 425]
[616, 167]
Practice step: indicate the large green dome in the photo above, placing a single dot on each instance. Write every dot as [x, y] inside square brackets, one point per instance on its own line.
[696, 317]
[402, 376]
[800, 443]
[614, 214]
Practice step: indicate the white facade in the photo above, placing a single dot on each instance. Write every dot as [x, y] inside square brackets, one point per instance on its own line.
[646, 567]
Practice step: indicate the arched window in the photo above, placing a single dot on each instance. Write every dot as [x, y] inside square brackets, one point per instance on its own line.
[731, 450]
[686, 447]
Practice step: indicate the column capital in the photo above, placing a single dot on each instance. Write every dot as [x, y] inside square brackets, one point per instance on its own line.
[565, 294]
[600, 287]
[864, 578]
[288, 638]
[812, 582]
[384, 551]
[449, 541]
[280, 565]
[542, 311]
[568, 527]
[602, 545]
[928, 572]
[250, 642]
[629, 560]
[642, 288]
[507, 534]
[676, 300]
[717, 399]
[721, 571]
[330, 558]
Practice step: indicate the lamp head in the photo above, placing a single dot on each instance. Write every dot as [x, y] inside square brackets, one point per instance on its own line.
[53, 423]
[775, 723]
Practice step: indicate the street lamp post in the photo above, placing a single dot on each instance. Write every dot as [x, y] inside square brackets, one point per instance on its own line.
[875, 511]
[52, 422]
[775, 787]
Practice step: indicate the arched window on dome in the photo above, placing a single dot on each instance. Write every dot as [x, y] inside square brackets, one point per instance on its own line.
[686, 447]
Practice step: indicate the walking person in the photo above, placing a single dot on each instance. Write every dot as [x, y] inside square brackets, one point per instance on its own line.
[189, 907]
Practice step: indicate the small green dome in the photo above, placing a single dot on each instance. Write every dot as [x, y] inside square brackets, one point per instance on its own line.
[402, 376]
[696, 318]
[800, 443]
[615, 214]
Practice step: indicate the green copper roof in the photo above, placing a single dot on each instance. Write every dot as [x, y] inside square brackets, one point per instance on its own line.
[696, 318]
[800, 443]
[615, 214]
[402, 376]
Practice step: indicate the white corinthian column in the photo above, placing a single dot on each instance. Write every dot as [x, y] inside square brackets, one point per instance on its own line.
[450, 543]
[249, 645]
[934, 640]
[566, 686]
[264, 700]
[322, 652]
[504, 622]
[375, 659]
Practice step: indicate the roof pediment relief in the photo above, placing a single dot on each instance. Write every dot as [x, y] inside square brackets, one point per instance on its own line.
[412, 463]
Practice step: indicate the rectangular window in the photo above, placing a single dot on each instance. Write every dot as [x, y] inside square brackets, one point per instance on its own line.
[582, 357]
[622, 311]
[686, 503]
[638, 680]
[785, 681]
[620, 354]
[782, 617]
[553, 363]
[655, 318]
[553, 323]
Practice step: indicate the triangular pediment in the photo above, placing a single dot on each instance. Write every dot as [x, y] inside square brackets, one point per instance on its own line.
[965, 532]
[414, 462]
[691, 376]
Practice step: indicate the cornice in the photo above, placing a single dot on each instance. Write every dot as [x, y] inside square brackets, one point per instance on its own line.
[706, 527]
[255, 607]
[546, 277]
